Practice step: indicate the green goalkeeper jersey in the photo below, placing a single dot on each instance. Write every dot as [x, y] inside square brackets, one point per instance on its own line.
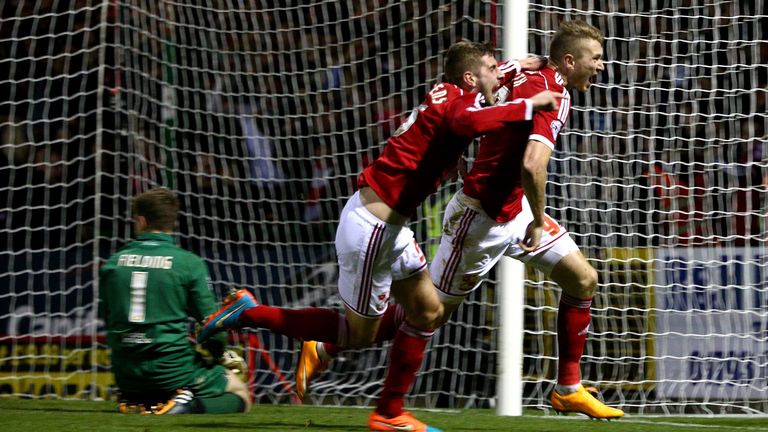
[148, 290]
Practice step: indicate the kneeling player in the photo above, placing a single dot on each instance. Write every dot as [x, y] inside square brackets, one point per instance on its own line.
[147, 292]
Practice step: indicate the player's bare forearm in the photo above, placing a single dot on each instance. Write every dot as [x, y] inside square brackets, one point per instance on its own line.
[534, 177]
[534, 185]
[546, 101]
[533, 63]
[472, 120]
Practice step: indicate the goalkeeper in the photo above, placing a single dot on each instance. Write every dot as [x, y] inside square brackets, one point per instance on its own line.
[147, 292]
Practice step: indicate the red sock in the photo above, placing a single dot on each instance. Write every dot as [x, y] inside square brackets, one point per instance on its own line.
[573, 318]
[405, 359]
[390, 322]
[393, 318]
[316, 324]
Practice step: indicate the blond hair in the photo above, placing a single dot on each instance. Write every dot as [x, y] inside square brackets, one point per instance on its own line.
[569, 39]
[464, 56]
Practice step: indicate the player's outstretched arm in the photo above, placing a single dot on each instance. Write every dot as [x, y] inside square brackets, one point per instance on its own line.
[546, 101]
[468, 117]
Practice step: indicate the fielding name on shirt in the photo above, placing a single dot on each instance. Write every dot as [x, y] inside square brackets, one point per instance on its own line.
[145, 261]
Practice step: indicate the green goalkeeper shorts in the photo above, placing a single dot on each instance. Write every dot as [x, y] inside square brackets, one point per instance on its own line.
[155, 378]
[209, 382]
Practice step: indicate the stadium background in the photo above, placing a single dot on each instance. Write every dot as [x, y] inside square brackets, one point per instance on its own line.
[261, 117]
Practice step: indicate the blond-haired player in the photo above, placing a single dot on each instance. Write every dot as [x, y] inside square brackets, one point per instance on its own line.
[500, 211]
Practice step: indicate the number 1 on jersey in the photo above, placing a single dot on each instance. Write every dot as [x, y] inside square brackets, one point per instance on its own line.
[138, 297]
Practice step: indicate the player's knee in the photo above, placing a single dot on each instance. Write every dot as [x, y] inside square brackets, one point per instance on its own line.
[428, 318]
[437, 316]
[588, 284]
[578, 280]
[448, 310]
[245, 398]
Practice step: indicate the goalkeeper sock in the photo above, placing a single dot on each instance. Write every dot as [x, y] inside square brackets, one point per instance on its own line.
[318, 324]
[573, 318]
[405, 359]
[224, 404]
[392, 320]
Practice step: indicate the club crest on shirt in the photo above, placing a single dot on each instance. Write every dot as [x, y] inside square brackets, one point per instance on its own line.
[555, 126]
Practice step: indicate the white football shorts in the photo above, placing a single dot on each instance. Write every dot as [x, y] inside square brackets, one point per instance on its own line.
[472, 243]
[371, 254]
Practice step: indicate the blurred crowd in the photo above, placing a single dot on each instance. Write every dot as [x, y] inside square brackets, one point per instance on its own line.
[261, 117]
[673, 137]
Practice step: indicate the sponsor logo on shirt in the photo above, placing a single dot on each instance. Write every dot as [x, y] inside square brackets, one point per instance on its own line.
[136, 338]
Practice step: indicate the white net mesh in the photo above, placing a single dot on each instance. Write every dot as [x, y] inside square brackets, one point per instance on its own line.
[661, 179]
[49, 68]
[261, 118]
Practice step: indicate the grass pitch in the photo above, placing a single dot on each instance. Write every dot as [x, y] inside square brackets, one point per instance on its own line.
[52, 415]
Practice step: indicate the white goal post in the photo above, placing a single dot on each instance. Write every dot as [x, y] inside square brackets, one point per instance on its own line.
[261, 114]
[511, 273]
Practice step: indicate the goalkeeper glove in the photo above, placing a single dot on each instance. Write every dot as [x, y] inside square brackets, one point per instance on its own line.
[234, 362]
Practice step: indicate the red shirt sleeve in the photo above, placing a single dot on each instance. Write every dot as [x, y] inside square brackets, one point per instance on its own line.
[548, 124]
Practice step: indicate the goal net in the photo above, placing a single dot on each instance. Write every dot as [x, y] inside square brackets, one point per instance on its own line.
[661, 178]
[260, 115]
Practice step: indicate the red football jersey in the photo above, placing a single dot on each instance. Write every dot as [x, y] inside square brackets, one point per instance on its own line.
[430, 142]
[495, 177]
